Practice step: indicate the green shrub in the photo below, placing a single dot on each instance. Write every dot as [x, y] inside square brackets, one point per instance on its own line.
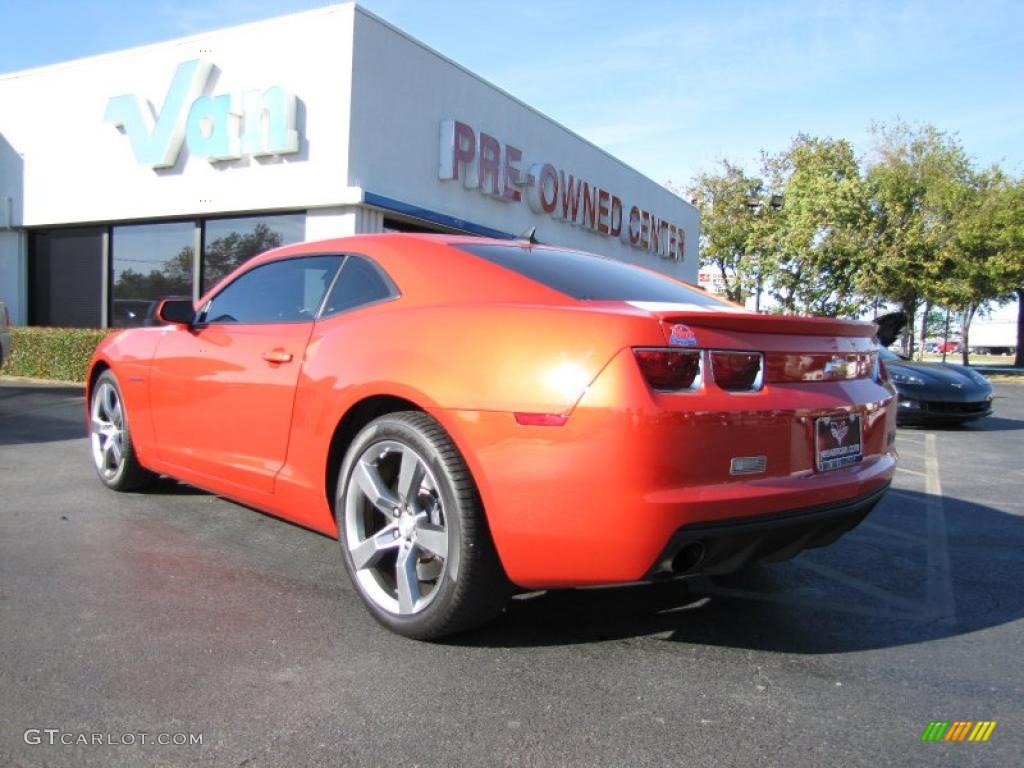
[60, 354]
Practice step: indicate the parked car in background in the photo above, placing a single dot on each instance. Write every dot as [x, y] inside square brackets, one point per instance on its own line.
[937, 392]
[5, 333]
[471, 416]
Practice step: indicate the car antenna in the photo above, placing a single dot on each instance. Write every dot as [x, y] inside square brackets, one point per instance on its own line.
[530, 236]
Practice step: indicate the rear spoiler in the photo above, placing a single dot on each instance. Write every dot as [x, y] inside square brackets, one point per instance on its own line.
[756, 323]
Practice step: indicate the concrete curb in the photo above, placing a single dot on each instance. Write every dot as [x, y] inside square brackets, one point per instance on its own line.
[40, 382]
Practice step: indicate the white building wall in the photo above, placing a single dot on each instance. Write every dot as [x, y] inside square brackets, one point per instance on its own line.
[13, 263]
[80, 168]
[324, 223]
[402, 92]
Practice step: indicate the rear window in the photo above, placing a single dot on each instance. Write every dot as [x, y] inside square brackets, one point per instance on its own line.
[590, 278]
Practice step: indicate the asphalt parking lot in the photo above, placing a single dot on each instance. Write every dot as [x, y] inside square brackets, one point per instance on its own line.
[175, 612]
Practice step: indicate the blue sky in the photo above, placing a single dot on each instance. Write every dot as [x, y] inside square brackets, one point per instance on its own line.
[667, 86]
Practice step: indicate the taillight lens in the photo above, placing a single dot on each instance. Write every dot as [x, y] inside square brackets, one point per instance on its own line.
[737, 371]
[669, 370]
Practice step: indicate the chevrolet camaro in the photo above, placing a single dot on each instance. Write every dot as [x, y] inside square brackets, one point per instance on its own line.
[470, 417]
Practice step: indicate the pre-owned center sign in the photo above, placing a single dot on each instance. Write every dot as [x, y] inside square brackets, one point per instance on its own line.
[482, 162]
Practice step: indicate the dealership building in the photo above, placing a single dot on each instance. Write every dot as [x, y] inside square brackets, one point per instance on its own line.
[153, 171]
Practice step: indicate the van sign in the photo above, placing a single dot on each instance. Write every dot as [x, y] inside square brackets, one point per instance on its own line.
[217, 128]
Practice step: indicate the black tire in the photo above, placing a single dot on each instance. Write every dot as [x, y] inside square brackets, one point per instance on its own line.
[471, 587]
[120, 470]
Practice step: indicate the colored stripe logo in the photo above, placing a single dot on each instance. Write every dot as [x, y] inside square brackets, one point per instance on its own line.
[958, 730]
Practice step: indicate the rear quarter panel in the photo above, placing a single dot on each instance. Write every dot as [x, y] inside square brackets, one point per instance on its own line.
[459, 359]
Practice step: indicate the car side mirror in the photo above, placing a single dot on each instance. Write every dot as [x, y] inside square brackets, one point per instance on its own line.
[176, 312]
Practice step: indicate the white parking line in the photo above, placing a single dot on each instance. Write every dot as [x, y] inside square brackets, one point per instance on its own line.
[911, 496]
[939, 586]
[909, 439]
[911, 471]
[910, 606]
[890, 533]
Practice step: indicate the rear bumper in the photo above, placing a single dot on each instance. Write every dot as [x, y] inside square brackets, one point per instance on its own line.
[597, 500]
[706, 549]
[584, 513]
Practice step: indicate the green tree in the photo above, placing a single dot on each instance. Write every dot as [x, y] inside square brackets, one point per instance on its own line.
[1008, 260]
[916, 184]
[728, 227]
[818, 237]
[962, 277]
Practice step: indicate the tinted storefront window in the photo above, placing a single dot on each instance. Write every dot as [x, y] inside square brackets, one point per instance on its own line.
[66, 277]
[231, 242]
[149, 262]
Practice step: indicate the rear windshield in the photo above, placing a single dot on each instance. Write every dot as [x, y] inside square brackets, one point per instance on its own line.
[590, 278]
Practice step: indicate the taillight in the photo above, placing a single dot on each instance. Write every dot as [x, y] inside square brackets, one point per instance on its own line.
[668, 369]
[737, 371]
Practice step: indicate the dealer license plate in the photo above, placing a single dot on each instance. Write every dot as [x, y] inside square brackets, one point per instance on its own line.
[837, 441]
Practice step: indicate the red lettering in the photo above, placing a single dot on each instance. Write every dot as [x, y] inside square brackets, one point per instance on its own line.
[570, 195]
[616, 217]
[490, 155]
[602, 212]
[458, 153]
[548, 174]
[634, 226]
[512, 177]
[589, 205]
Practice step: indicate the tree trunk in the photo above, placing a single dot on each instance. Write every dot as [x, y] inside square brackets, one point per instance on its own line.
[1018, 360]
[924, 325]
[965, 333]
[909, 307]
[732, 292]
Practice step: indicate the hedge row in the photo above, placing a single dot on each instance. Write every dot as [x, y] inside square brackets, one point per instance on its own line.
[60, 354]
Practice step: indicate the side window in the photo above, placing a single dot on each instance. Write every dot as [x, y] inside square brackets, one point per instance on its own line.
[286, 291]
[360, 282]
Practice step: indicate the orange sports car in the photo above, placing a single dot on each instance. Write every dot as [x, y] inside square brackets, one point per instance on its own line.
[469, 416]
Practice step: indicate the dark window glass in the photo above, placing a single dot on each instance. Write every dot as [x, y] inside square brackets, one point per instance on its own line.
[149, 262]
[66, 278]
[400, 225]
[587, 277]
[228, 243]
[360, 282]
[285, 291]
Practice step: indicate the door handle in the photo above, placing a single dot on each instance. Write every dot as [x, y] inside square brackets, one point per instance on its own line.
[277, 356]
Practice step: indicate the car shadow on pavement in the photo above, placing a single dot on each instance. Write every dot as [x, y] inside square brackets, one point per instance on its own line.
[902, 577]
[35, 414]
[993, 424]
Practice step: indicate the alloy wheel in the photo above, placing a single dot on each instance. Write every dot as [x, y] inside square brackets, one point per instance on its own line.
[107, 430]
[396, 528]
